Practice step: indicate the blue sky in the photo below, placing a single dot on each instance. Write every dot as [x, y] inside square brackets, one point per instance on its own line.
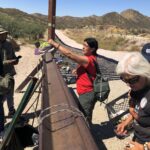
[78, 8]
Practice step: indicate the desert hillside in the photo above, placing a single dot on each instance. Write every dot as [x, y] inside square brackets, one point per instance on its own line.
[125, 31]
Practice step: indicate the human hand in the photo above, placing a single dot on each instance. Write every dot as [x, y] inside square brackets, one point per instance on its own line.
[53, 43]
[18, 57]
[16, 61]
[120, 129]
[74, 72]
[134, 146]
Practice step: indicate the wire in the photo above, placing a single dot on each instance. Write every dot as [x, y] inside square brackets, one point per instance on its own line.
[75, 111]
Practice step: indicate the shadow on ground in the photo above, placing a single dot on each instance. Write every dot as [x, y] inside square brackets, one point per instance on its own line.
[102, 131]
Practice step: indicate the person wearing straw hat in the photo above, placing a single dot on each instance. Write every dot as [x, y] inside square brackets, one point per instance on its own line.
[9, 60]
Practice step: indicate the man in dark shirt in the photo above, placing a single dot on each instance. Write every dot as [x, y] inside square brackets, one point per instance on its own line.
[9, 60]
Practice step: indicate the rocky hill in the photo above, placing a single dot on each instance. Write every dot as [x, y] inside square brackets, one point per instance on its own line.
[127, 30]
[136, 18]
[16, 13]
[22, 25]
[126, 20]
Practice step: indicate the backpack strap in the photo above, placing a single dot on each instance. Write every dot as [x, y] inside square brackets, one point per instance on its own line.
[97, 67]
[97, 70]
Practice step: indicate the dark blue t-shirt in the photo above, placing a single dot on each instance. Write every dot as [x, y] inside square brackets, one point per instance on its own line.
[141, 101]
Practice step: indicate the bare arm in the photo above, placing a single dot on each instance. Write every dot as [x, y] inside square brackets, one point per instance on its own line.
[10, 62]
[128, 120]
[133, 113]
[82, 60]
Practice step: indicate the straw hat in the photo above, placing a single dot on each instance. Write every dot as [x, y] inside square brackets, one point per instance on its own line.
[2, 30]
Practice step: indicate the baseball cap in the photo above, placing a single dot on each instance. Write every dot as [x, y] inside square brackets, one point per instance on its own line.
[146, 51]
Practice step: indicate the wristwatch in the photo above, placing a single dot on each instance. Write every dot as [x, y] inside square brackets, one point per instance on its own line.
[146, 146]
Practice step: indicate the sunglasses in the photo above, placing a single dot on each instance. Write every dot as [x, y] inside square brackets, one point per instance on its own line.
[132, 80]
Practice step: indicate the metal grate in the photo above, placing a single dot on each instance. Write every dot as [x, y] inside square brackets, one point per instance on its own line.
[118, 108]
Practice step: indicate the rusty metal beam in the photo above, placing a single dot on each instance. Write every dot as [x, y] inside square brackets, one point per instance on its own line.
[51, 18]
[62, 126]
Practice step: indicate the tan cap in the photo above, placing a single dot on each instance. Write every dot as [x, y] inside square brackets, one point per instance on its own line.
[2, 30]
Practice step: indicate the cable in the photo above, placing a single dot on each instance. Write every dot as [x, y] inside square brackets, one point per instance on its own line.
[75, 111]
